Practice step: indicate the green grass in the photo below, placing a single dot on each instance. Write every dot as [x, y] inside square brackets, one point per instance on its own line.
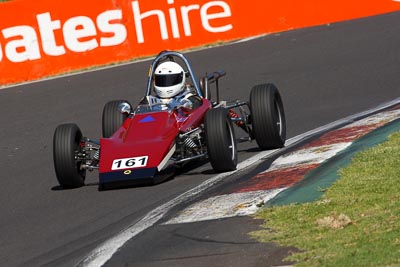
[357, 221]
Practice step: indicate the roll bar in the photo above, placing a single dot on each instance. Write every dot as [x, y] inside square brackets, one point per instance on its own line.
[170, 55]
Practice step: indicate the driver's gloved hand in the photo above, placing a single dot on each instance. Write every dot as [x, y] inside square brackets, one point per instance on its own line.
[186, 104]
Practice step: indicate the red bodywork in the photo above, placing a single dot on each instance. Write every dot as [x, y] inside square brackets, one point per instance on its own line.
[151, 135]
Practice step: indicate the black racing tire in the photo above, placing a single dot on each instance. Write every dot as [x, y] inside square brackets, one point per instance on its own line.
[221, 141]
[267, 116]
[112, 118]
[66, 144]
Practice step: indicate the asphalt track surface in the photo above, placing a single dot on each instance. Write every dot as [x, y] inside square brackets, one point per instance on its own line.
[324, 73]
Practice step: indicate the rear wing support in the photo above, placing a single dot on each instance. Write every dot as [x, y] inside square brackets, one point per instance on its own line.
[214, 77]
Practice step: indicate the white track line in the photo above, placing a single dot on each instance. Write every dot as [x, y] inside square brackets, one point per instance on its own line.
[104, 252]
[225, 206]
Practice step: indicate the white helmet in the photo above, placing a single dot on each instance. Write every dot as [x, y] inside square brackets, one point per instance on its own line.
[169, 79]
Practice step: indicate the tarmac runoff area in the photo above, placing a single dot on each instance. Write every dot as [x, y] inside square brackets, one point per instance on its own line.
[298, 176]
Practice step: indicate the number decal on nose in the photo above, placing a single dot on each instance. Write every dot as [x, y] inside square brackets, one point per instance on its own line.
[129, 163]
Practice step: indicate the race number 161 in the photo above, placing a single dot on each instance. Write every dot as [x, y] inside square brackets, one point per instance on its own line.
[129, 163]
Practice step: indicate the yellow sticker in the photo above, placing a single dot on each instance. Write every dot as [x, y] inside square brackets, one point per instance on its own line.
[150, 69]
[127, 172]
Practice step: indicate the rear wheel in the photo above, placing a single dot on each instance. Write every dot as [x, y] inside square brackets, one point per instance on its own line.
[221, 142]
[112, 118]
[66, 149]
[267, 116]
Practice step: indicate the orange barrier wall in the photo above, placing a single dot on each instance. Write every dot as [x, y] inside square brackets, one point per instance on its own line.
[46, 37]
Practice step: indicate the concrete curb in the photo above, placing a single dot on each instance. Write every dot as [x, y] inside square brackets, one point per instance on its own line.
[298, 176]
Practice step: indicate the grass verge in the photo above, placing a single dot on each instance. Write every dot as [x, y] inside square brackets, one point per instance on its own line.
[355, 223]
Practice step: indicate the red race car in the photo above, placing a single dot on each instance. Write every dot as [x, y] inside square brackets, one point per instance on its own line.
[169, 127]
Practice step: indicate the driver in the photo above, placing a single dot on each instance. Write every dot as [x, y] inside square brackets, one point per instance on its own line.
[170, 87]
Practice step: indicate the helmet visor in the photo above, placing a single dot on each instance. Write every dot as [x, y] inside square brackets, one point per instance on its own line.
[166, 80]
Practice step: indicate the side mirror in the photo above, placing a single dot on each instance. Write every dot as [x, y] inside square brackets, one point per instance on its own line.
[125, 108]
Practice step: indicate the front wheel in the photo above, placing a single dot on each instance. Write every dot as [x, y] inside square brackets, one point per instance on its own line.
[221, 142]
[112, 118]
[267, 116]
[66, 155]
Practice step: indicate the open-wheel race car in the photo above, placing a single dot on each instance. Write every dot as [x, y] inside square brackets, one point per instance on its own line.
[146, 143]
